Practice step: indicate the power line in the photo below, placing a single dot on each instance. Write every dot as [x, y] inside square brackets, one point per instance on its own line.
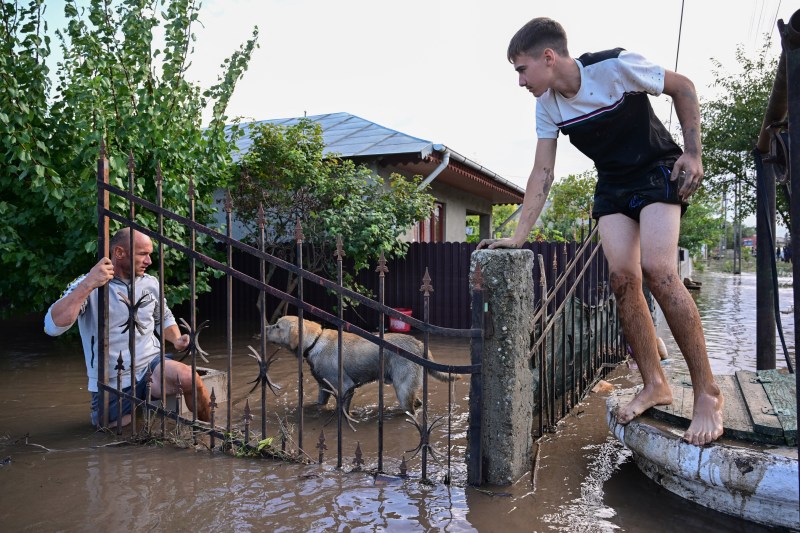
[775, 19]
[677, 55]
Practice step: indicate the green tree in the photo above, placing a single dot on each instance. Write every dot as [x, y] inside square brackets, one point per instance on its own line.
[119, 82]
[571, 200]
[287, 173]
[731, 125]
[700, 225]
[500, 214]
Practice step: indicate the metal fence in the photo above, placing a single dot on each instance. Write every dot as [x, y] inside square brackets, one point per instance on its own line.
[248, 439]
[577, 337]
[448, 264]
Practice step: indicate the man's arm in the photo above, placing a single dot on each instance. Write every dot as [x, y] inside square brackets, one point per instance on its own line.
[65, 311]
[536, 191]
[173, 335]
[687, 107]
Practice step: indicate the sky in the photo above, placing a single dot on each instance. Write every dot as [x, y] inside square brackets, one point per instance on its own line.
[437, 69]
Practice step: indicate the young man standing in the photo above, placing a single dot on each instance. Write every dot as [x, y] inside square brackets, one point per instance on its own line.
[601, 102]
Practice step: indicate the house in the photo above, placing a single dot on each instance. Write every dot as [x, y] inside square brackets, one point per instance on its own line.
[461, 187]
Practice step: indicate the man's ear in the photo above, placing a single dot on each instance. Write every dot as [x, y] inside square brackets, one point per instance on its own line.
[549, 56]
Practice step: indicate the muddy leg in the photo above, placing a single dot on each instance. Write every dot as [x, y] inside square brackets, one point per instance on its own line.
[620, 238]
[660, 224]
[640, 334]
[684, 322]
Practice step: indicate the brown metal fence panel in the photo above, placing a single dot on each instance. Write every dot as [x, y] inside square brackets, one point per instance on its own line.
[448, 264]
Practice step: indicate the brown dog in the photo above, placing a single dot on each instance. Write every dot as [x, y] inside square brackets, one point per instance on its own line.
[360, 358]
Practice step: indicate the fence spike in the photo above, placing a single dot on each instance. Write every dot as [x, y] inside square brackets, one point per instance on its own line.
[542, 274]
[159, 177]
[321, 446]
[339, 253]
[119, 368]
[102, 154]
[178, 396]
[382, 268]
[358, 461]
[247, 418]
[426, 287]
[131, 164]
[213, 407]
[298, 231]
[148, 396]
[191, 187]
[228, 201]
[260, 216]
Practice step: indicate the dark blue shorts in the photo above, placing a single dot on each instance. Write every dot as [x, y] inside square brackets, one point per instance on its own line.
[141, 392]
[630, 197]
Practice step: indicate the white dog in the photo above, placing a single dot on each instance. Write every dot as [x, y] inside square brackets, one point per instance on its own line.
[360, 358]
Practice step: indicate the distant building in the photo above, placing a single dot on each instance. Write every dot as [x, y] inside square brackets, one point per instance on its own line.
[460, 186]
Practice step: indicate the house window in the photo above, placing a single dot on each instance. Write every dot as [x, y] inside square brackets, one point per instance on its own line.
[432, 228]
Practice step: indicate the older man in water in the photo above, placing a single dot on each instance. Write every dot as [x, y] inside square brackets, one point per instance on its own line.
[79, 302]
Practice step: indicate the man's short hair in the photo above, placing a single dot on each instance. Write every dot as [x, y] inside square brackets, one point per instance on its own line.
[535, 36]
[120, 238]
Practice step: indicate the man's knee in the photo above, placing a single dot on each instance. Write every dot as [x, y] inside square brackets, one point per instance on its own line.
[623, 281]
[180, 374]
[659, 278]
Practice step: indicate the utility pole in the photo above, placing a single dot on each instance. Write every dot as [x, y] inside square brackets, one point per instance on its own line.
[723, 240]
[737, 229]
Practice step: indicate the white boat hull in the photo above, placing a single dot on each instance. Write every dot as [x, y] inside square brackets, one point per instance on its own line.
[757, 485]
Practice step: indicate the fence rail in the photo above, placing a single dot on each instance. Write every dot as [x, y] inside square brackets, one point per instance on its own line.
[448, 265]
[583, 332]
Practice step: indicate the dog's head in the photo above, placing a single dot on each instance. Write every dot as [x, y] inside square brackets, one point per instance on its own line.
[285, 332]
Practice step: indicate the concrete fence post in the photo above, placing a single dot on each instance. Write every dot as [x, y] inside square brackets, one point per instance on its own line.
[508, 380]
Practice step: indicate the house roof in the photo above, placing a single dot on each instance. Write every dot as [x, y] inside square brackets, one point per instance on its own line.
[351, 136]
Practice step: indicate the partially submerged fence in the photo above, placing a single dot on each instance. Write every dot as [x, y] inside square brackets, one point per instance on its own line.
[577, 319]
[228, 436]
[576, 334]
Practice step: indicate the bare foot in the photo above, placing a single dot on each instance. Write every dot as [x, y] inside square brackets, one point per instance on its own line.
[649, 396]
[706, 423]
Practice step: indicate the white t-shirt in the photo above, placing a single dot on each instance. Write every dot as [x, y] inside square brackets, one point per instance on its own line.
[610, 119]
[147, 345]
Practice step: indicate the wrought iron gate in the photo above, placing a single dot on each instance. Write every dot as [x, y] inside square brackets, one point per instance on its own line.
[247, 439]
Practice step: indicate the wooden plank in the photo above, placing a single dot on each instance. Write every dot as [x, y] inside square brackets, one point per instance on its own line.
[675, 412]
[736, 421]
[758, 404]
[782, 393]
[683, 396]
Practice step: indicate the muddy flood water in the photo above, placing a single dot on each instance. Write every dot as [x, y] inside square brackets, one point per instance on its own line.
[57, 474]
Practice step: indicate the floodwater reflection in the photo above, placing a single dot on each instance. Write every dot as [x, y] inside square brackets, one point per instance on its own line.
[727, 305]
[63, 476]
